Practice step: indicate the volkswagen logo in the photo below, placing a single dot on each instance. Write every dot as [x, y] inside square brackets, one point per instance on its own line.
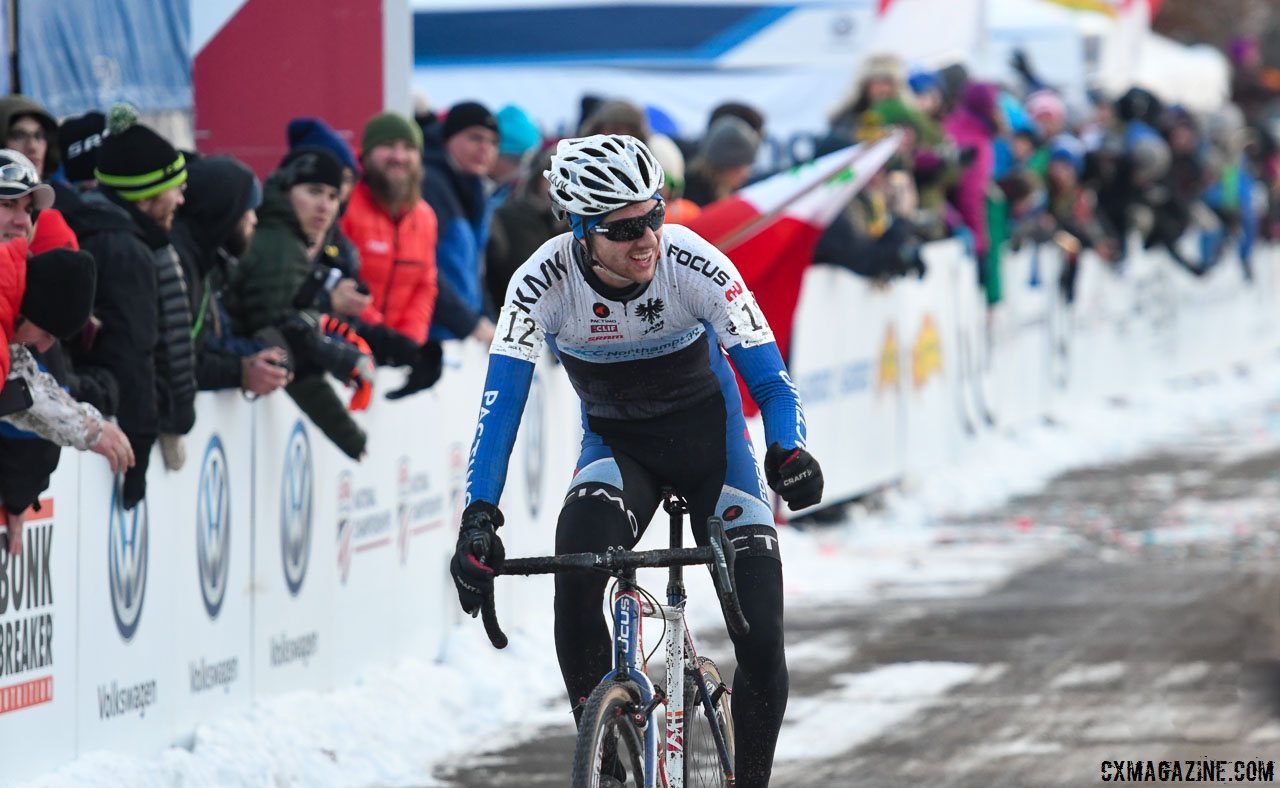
[213, 526]
[296, 492]
[127, 563]
[533, 440]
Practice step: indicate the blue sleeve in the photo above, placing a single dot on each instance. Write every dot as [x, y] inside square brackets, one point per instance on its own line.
[771, 387]
[506, 388]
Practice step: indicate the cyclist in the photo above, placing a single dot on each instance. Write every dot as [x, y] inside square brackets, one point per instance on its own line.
[638, 312]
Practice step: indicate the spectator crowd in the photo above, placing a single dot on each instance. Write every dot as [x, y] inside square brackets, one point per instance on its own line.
[133, 274]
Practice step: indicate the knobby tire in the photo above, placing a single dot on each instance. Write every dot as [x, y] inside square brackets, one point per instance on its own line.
[702, 767]
[608, 738]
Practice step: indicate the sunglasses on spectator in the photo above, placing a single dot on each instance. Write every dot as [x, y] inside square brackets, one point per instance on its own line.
[631, 229]
[27, 136]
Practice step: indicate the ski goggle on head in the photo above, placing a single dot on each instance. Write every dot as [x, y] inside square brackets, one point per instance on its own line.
[631, 229]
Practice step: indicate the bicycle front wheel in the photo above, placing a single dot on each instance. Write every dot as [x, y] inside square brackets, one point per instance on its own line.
[704, 717]
[610, 749]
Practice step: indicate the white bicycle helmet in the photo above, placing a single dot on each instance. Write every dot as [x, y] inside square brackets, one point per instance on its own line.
[592, 176]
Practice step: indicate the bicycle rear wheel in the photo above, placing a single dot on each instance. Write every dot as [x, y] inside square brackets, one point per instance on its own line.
[610, 749]
[702, 765]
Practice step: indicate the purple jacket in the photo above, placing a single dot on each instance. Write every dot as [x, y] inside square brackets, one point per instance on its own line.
[972, 125]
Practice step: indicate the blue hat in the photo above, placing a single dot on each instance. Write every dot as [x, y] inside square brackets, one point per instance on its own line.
[921, 81]
[517, 132]
[661, 123]
[1065, 147]
[313, 132]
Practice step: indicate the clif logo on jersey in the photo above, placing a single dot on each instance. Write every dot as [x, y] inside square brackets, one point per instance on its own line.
[600, 310]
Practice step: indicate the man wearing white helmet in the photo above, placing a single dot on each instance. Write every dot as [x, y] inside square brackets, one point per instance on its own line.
[638, 312]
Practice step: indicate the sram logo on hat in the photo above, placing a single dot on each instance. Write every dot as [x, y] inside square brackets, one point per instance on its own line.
[87, 144]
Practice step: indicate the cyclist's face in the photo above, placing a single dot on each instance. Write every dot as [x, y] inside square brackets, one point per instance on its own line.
[635, 261]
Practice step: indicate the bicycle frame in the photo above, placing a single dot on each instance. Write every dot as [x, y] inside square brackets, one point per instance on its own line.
[629, 608]
[628, 664]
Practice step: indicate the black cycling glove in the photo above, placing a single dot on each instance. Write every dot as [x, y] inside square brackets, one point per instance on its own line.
[793, 474]
[478, 556]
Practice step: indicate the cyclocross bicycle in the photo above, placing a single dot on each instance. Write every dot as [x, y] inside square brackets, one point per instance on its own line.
[618, 740]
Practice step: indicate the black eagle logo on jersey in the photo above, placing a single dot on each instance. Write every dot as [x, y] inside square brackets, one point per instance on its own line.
[651, 311]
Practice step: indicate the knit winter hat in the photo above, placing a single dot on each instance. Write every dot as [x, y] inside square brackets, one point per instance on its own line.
[60, 290]
[730, 142]
[517, 133]
[311, 164]
[388, 127]
[467, 114]
[668, 154]
[136, 162]
[315, 132]
[80, 140]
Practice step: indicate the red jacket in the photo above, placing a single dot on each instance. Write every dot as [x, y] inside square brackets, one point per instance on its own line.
[397, 262]
[53, 232]
[13, 283]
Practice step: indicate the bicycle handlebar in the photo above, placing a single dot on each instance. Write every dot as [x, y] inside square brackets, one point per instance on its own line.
[614, 560]
[712, 554]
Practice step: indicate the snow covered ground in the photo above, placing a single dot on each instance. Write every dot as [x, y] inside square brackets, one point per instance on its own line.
[398, 722]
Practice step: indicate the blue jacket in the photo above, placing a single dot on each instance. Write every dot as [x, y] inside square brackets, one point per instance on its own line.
[463, 212]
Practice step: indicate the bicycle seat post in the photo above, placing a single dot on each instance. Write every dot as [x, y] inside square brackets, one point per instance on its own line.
[676, 508]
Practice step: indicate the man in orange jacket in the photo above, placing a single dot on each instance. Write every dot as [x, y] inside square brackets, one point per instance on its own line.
[395, 233]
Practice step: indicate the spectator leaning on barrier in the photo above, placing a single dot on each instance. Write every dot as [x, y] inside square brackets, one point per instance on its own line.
[212, 232]
[975, 124]
[456, 164]
[344, 298]
[724, 161]
[395, 232]
[144, 342]
[264, 295]
[41, 299]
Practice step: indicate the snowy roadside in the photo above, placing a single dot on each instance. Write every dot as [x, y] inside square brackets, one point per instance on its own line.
[397, 723]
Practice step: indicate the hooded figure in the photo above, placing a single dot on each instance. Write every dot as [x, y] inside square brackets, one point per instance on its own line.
[974, 124]
[209, 237]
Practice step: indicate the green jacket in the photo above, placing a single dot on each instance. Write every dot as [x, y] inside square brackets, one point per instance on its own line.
[261, 292]
[262, 288]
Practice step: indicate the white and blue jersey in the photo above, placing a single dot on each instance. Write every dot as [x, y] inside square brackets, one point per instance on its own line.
[641, 355]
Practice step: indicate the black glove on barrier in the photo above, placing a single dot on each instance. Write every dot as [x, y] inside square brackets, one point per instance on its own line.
[425, 371]
[793, 474]
[478, 556]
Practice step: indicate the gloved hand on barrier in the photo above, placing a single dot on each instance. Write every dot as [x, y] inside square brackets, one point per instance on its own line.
[793, 474]
[478, 556]
[425, 371]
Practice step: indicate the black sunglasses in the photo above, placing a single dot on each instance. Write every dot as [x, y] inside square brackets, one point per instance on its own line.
[631, 229]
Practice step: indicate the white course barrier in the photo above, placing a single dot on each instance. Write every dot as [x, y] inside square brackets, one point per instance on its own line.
[273, 563]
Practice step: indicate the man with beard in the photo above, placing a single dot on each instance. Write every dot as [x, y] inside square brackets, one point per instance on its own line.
[144, 342]
[211, 233]
[394, 231]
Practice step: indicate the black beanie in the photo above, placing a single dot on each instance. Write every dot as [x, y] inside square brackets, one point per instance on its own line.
[467, 114]
[79, 140]
[136, 162]
[311, 164]
[60, 289]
